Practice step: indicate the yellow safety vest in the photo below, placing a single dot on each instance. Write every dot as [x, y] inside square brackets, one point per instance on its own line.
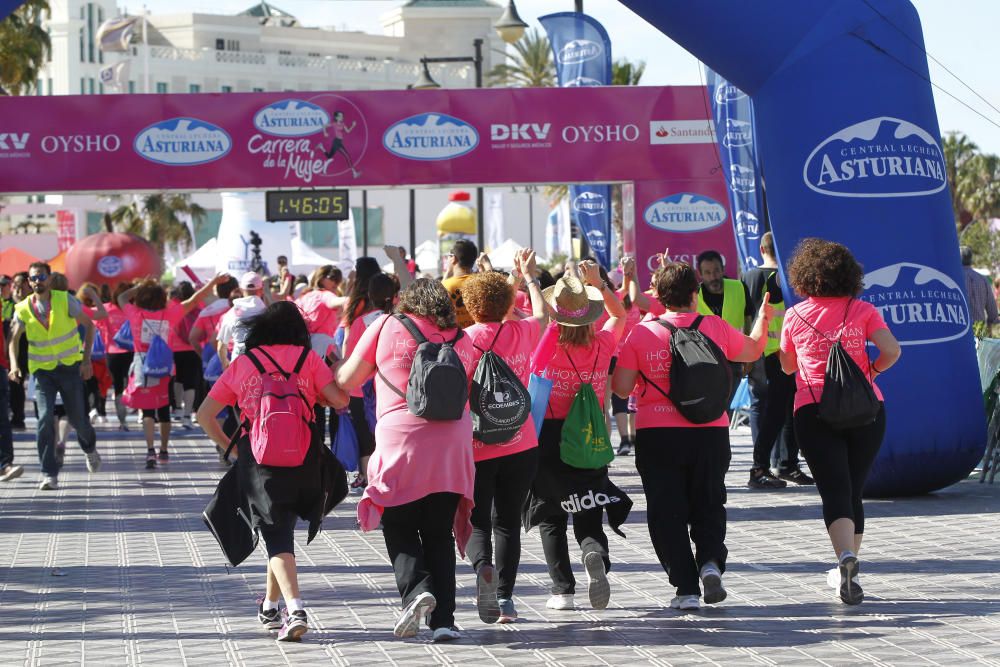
[774, 326]
[55, 345]
[734, 303]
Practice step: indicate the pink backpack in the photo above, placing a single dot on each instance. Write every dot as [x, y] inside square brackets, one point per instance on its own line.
[281, 431]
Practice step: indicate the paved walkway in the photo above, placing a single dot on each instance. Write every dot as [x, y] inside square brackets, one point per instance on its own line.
[117, 568]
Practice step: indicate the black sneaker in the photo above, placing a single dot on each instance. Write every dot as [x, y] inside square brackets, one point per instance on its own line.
[269, 618]
[764, 479]
[163, 456]
[296, 625]
[625, 448]
[796, 476]
[150, 459]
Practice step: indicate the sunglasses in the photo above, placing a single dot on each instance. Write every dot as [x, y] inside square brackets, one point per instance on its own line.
[39, 278]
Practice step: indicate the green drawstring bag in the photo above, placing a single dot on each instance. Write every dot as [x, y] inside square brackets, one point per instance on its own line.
[585, 443]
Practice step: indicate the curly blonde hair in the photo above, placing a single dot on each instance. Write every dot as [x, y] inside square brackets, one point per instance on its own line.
[487, 296]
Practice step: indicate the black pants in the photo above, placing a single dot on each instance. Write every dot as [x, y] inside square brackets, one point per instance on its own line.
[839, 461]
[683, 473]
[736, 369]
[92, 396]
[502, 485]
[160, 415]
[118, 365]
[17, 399]
[418, 537]
[777, 397]
[279, 537]
[588, 525]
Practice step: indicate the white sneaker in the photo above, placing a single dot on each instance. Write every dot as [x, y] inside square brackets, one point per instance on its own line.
[409, 620]
[560, 601]
[833, 578]
[598, 588]
[685, 602]
[93, 461]
[49, 483]
[186, 422]
[711, 581]
[446, 634]
[93, 416]
[11, 472]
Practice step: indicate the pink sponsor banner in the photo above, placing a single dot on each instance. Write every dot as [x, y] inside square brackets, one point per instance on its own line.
[688, 216]
[115, 143]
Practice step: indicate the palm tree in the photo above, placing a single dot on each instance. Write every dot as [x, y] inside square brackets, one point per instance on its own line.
[158, 217]
[24, 46]
[627, 73]
[959, 151]
[530, 66]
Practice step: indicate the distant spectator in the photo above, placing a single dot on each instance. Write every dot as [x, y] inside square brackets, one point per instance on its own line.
[982, 304]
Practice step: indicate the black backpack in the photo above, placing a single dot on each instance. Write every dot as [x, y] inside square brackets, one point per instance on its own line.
[438, 388]
[498, 401]
[847, 400]
[700, 377]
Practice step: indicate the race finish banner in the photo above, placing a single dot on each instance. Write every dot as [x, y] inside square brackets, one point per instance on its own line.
[581, 49]
[732, 110]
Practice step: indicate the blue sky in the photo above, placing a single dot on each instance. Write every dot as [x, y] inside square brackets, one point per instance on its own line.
[959, 33]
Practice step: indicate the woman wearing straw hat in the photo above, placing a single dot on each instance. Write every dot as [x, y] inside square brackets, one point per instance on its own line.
[582, 355]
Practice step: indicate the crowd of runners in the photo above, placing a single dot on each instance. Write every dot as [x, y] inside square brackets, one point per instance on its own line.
[471, 407]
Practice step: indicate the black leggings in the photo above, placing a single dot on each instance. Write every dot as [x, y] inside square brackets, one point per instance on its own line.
[160, 415]
[366, 439]
[189, 371]
[118, 365]
[279, 538]
[502, 485]
[839, 461]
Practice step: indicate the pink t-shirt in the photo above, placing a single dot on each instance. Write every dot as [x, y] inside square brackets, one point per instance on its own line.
[414, 457]
[181, 333]
[148, 323]
[632, 318]
[321, 311]
[110, 326]
[209, 319]
[522, 301]
[240, 382]
[648, 350]
[514, 345]
[813, 348]
[354, 334]
[656, 309]
[566, 381]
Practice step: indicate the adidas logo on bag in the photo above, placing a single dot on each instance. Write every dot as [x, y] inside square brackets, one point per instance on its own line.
[575, 503]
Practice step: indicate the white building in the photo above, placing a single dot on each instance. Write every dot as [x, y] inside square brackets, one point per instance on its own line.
[264, 49]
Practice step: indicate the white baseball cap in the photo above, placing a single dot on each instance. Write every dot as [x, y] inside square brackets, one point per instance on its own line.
[251, 280]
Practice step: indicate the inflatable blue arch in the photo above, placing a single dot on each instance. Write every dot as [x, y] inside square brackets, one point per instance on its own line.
[851, 151]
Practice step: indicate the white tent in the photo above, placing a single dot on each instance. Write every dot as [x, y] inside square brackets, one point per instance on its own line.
[503, 256]
[303, 259]
[202, 262]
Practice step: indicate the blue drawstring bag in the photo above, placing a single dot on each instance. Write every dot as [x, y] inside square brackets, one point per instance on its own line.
[98, 352]
[368, 389]
[158, 361]
[338, 337]
[213, 369]
[124, 337]
[345, 443]
[539, 389]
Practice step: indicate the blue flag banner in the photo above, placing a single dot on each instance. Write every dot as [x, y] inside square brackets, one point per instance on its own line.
[590, 206]
[582, 53]
[732, 113]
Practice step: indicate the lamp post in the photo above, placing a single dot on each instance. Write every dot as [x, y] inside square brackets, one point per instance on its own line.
[424, 81]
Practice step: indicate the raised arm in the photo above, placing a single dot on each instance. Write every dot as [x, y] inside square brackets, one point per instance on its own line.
[397, 255]
[203, 292]
[524, 263]
[591, 274]
[754, 344]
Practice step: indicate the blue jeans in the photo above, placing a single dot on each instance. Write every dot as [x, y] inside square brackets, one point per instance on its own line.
[67, 382]
[6, 436]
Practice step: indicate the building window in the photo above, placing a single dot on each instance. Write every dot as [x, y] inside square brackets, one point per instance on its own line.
[100, 88]
[90, 85]
[220, 44]
[282, 52]
[83, 86]
[161, 87]
[83, 57]
[313, 55]
[194, 88]
[90, 33]
[258, 90]
[227, 89]
[49, 85]
[131, 87]
[232, 45]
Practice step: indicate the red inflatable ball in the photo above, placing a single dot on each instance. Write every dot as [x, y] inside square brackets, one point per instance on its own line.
[109, 258]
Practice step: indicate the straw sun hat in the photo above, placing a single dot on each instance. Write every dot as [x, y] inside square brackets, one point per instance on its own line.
[574, 304]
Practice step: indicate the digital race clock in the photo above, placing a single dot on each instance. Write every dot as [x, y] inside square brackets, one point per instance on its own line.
[294, 205]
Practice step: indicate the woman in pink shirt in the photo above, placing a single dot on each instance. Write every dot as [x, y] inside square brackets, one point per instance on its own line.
[119, 358]
[96, 388]
[278, 496]
[321, 307]
[581, 355]
[504, 471]
[188, 374]
[422, 474]
[150, 316]
[830, 279]
[682, 464]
